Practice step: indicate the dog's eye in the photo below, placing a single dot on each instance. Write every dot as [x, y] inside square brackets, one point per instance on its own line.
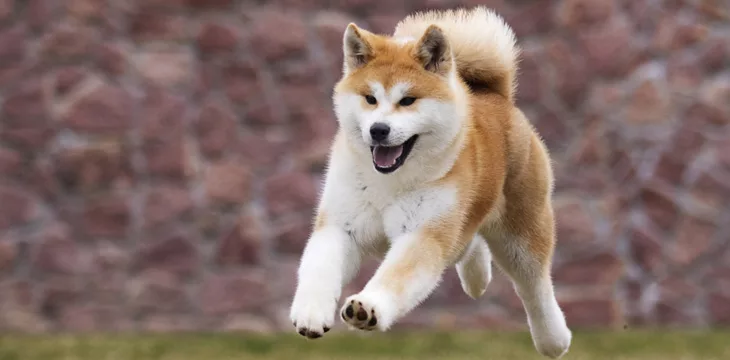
[371, 99]
[407, 101]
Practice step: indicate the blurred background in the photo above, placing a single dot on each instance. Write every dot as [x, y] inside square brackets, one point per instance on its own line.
[160, 160]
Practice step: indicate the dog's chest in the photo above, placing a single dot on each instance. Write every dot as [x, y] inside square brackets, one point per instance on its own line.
[381, 213]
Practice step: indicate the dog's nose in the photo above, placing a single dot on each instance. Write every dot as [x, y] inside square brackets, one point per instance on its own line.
[379, 131]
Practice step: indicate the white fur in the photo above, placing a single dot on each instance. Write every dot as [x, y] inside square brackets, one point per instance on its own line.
[369, 213]
[371, 206]
[404, 40]
[549, 330]
[496, 38]
[402, 124]
[403, 220]
[320, 282]
[390, 306]
[437, 123]
[415, 209]
[550, 333]
[494, 49]
[475, 268]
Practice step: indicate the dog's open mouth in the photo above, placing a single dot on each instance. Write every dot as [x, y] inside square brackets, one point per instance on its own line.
[389, 158]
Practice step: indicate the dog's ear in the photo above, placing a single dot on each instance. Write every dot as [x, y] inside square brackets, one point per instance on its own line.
[356, 48]
[433, 51]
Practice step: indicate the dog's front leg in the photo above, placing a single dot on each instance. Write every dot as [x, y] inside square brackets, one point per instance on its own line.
[410, 271]
[329, 261]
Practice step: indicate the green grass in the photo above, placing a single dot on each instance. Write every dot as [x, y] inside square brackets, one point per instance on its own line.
[645, 345]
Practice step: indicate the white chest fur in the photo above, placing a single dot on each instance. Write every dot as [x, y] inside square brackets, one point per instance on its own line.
[372, 209]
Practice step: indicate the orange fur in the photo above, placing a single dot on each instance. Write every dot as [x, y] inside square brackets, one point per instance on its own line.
[392, 63]
[502, 155]
[320, 220]
[490, 155]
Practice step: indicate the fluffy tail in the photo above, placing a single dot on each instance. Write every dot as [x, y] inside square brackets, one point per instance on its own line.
[482, 43]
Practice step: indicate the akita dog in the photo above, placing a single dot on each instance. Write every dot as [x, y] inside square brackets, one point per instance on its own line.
[433, 165]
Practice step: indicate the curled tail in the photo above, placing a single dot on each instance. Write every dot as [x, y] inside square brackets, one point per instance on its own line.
[482, 44]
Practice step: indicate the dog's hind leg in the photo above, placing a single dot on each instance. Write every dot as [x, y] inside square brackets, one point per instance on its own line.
[475, 268]
[526, 258]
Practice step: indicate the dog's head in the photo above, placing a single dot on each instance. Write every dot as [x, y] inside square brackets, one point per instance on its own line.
[398, 99]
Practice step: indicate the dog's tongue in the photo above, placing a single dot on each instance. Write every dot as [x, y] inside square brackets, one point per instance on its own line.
[385, 156]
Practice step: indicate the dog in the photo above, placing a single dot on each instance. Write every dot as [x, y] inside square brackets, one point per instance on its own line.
[433, 165]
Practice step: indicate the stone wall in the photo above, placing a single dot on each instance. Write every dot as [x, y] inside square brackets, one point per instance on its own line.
[160, 159]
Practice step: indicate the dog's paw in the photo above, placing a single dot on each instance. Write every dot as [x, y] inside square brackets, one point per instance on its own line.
[370, 310]
[553, 343]
[313, 316]
[359, 315]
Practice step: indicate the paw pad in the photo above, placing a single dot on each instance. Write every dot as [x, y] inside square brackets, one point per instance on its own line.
[358, 315]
